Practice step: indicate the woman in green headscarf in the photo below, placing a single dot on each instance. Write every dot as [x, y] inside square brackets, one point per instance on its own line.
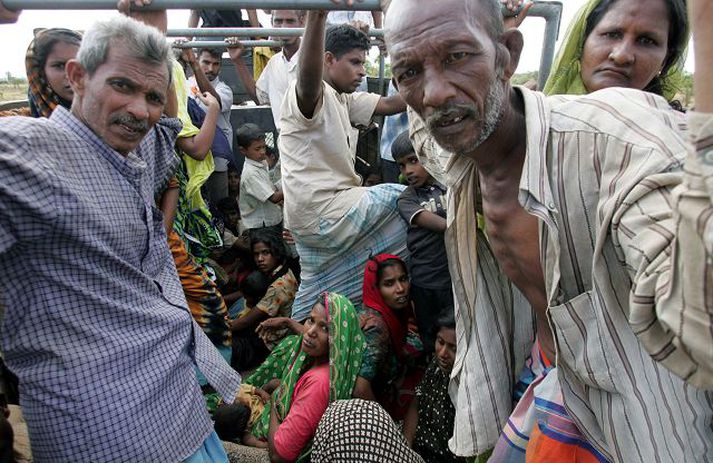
[315, 368]
[605, 47]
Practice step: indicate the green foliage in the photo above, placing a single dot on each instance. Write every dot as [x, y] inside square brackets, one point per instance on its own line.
[685, 94]
[372, 68]
[520, 79]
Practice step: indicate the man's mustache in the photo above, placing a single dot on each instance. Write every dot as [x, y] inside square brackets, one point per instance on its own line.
[131, 122]
[448, 112]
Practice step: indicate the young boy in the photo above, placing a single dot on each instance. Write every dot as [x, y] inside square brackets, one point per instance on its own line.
[423, 206]
[233, 183]
[429, 423]
[259, 199]
[335, 221]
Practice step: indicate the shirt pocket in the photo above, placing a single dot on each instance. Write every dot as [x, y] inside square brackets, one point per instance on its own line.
[583, 344]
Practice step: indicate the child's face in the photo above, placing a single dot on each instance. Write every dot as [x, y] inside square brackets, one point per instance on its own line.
[372, 179]
[233, 181]
[233, 218]
[264, 259]
[347, 72]
[256, 151]
[413, 170]
[446, 349]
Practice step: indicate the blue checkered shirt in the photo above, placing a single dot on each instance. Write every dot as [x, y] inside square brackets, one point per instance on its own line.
[96, 325]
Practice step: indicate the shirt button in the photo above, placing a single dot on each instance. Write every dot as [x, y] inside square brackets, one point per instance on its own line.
[708, 157]
[551, 206]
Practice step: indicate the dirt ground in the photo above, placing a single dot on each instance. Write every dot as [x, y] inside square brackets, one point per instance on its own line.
[12, 92]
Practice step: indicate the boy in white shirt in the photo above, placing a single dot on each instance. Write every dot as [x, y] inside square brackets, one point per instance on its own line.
[260, 201]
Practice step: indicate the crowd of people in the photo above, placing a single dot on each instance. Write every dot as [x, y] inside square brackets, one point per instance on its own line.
[525, 277]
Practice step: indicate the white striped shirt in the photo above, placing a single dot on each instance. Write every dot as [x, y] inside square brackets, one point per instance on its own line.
[603, 173]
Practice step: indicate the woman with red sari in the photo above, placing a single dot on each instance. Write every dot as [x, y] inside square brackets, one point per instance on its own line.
[389, 371]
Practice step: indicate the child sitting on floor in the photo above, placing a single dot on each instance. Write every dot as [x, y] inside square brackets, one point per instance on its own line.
[429, 423]
[423, 206]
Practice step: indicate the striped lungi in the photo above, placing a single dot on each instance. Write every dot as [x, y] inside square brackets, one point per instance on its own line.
[540, 430]
[334, 259]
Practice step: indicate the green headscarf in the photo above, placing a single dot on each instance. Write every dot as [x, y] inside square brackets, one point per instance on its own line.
[566, 75]
[289, 363]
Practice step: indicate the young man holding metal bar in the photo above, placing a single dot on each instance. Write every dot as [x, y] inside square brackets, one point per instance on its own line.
[336, 223]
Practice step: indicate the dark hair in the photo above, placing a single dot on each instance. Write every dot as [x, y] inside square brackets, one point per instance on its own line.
[343, 38]
[255, 285]
[233, 170]
[231, 420]
[384, 264]
[214, 52]
[46, 40]
[677, 35]
[447, 318]
[228, 205]
[248, 133]
[300, 14]
[402, 146]
[271, 240]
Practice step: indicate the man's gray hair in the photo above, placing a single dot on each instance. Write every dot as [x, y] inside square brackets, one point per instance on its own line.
[142, 42]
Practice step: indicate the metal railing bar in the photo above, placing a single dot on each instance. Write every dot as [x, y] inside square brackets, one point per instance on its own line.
[247, 32]
[364, 5]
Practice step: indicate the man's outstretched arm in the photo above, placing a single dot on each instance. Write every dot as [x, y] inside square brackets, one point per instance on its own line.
[235, 52]
[309, 77]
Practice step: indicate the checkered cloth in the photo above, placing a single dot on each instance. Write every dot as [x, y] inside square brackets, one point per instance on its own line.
[334, 259]
[359, 431]
[96, 325]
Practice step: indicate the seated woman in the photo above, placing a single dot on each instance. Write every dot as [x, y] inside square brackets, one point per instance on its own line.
[388, 373]
[429, 423]
[314, 369]
[271, 259]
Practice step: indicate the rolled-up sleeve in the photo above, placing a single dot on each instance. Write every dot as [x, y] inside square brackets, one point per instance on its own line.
[667, 236]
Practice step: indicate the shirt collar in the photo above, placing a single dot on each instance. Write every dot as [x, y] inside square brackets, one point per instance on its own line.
[259, 164]
[292, 62]
[130, 166]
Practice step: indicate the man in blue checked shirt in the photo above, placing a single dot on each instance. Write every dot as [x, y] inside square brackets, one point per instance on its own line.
[96, 326]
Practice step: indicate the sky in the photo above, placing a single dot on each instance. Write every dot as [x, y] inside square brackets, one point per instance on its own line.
[17, 36]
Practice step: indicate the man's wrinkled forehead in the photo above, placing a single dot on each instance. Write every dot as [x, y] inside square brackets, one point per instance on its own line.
[410, 18]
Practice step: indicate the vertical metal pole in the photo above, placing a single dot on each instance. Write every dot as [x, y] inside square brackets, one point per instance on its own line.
[382, 70]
